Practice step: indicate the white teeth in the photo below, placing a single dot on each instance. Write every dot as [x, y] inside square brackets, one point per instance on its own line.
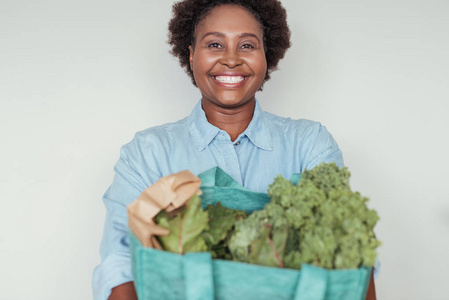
[229, 79]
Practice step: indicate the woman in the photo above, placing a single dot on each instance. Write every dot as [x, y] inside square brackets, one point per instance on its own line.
[228, 48]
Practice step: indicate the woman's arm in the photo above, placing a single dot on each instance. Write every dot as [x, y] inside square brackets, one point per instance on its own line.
[371, 293]
[132, 176]
[124, 291]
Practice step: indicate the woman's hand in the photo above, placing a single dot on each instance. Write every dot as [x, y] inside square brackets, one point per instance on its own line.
[124, 291]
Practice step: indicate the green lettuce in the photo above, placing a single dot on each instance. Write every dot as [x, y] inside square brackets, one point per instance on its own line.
[185, 228]
[221, 225]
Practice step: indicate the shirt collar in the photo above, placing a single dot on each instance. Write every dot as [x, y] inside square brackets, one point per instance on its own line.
[203, 132]
[258, 131]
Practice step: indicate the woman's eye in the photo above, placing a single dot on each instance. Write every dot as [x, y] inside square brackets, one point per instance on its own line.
[247, 46]
[214, 45]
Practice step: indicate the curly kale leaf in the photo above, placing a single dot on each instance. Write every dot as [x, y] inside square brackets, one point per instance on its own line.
[327, 177]
[261, 238]
[329, 225]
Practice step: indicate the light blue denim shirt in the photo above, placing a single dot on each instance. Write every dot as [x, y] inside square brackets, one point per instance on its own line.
[270, 146]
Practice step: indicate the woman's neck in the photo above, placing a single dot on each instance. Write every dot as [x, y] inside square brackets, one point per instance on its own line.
[232, 120]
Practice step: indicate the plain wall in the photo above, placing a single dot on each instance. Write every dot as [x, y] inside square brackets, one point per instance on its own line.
[79, 78]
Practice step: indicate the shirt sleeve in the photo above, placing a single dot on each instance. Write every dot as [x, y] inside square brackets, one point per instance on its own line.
[324, 149]
[129, 182]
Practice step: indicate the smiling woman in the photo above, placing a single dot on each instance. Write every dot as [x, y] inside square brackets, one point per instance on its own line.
[228, 48]
[229, 66]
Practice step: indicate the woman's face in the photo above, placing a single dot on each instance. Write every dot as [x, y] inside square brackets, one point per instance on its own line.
[228, 59]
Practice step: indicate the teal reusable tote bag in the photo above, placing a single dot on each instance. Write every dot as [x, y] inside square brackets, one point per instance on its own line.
[216, 186]
[195, 276]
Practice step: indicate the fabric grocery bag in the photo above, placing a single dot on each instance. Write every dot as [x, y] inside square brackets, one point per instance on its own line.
[217, 185]
[195, 276]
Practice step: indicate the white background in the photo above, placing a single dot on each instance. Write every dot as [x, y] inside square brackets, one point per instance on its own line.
[79, 78]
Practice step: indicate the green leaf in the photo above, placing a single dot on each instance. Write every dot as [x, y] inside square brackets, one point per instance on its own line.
[327, 177]
[221, 224]
[268, 249]
[221, 221]
[185, 228]
[245, 233]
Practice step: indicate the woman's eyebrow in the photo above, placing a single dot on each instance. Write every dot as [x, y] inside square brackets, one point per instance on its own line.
[248, 35]
[213, 33]
[245, 34]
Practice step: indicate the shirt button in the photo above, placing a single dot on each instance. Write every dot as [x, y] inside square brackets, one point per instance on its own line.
[236, 144]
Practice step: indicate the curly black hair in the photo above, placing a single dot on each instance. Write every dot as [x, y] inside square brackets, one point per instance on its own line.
[270, 14]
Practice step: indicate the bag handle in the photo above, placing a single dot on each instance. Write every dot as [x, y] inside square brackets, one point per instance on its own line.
[216, 177]
[216, 186]
[312, 283]
[198, 276]
[199, 283]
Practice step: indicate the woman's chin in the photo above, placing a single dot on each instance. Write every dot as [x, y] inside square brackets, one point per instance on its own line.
[232, 103]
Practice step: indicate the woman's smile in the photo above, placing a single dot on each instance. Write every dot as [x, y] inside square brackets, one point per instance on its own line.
[229, 79]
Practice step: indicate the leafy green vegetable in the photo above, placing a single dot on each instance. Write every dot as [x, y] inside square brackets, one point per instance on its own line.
[261, 238]
[221, 224]
[334, 225]
[320, 221]
[323, 222]
[185, 228]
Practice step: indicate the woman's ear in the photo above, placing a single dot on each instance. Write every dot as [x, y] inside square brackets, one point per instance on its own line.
[191, 57]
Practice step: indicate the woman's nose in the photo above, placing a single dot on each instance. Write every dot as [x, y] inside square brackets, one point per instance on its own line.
[231, 58]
